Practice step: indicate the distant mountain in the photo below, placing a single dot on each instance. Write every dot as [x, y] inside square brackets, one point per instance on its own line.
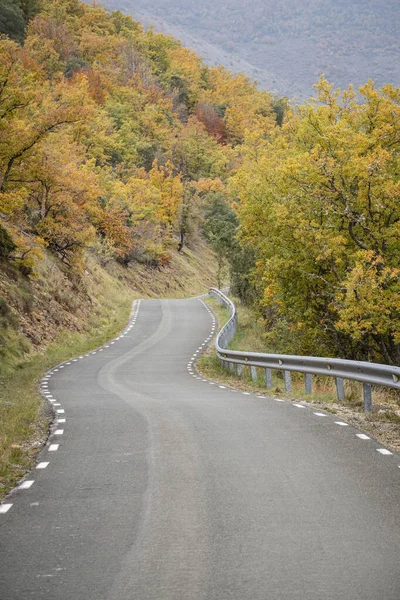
[285, 44]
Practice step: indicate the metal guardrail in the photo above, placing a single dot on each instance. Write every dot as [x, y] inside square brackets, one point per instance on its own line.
[367, 373]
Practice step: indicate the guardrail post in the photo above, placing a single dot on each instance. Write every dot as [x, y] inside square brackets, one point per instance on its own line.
[308, 383]
[340, 389]
[231, 367]
[253, 371]
[268, 378]
[239, 369]
[367, 393]
[287, 381]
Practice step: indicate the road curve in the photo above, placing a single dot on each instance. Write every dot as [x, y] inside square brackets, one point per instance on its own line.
[158, 485]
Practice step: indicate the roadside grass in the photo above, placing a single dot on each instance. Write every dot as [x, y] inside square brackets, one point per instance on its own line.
[70, 318]
[383, 422]
[24, 417]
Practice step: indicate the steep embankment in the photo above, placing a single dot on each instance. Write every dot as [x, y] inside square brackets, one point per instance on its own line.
[51, 317]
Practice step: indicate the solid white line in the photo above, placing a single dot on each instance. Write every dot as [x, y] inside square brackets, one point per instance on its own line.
[42, 465]
[4, 508]
[25, 485]
[384, 451]
[341, 423]
[53, 447]
[299, 405]
[59, 432]
[320, 414]
[362, 436]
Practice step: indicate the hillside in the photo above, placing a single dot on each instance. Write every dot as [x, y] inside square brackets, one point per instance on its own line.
[285, 45]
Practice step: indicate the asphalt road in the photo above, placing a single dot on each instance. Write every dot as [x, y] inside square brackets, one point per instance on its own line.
[163, 486]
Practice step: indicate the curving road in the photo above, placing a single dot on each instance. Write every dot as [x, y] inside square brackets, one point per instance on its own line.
[158, 485]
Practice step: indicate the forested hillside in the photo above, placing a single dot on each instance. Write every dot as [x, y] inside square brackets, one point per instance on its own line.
[119, 144]
[287, 44]
[112, 140]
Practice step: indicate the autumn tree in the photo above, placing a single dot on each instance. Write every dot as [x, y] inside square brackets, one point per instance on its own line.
[319, 203]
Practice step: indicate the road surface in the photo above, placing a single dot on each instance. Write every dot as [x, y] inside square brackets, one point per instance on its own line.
[158, 485]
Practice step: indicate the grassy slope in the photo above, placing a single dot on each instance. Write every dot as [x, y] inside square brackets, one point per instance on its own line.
[57, 320]
[383, 423]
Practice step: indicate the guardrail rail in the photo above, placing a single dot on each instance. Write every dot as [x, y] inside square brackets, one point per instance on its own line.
[367, 373]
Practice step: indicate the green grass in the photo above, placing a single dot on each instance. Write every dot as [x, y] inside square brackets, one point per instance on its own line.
[24, 419]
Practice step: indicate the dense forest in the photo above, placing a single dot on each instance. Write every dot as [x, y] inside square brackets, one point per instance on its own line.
[286, 44]
[120, 142]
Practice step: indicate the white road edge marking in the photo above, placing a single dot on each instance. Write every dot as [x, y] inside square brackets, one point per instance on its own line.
[4, 508]
[42, 465]
[384, 451]
[319, 414]
[341, 423]
[53, 447]
[59, 432]
[25, 485]
[298, 405]
[362, 436]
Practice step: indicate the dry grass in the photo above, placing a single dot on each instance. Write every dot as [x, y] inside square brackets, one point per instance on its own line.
[24, 418]
[54, 319]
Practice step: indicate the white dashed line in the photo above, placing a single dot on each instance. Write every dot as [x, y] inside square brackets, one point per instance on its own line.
[60, 411]
[222, 387]
[279, 400]
[42, 465]
[246, 393]
[341, 423]
[319, 414]
[57, 404]
[25, 485]
[59, 432]
[60, 420]
[384, 451]
[299, 405]
[53, 447]
[362, 436]
[261, 397]
[4, 508]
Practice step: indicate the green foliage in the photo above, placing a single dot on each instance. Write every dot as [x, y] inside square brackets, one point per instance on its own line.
[319, 205]
[7, 245]
[15, 15]
[12, 21]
